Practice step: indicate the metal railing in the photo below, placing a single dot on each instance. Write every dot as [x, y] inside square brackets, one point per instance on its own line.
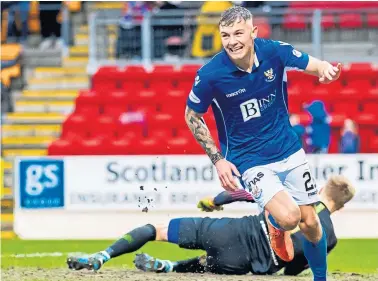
[114, 41]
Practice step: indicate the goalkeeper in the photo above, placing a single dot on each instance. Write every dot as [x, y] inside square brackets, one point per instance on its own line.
[232, 245]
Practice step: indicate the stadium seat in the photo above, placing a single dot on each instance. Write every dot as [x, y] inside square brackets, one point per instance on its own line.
[358, 71]
[349, 21]
[104, 126]
[62, 147]
[116, 103]
[131, 131]
[337, 120]
[94, 146]
[328, 21]
[75, 126]
[373, 145]
[106, 78]
[88, 103]
[160, 132]
[149, 146]
[372, 20]
[120, 146]
[350, 109]
[295, 22]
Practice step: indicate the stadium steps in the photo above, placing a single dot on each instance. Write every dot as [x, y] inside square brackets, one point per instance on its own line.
[44, 106]
[58, 82]
[33, 130]
[48, 72]
[52, 86]
[75, 61]
[49, 95]
[34, 118]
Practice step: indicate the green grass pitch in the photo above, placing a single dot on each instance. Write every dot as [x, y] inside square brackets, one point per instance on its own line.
[350, 255]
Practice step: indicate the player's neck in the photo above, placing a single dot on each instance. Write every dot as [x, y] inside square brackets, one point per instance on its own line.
[329, 204]
[246, 63]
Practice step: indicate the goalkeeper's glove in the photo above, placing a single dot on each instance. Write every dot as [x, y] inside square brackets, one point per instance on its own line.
[207, 205]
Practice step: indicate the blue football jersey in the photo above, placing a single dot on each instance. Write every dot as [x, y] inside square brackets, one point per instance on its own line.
[251, 109]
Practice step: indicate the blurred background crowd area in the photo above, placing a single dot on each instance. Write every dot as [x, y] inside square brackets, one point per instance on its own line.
[112, 78]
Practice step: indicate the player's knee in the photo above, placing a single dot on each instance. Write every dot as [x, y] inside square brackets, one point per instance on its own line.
[310, 222]
[161, 231]
[291, 219]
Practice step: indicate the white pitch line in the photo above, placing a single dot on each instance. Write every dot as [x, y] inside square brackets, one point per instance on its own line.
[42, 255]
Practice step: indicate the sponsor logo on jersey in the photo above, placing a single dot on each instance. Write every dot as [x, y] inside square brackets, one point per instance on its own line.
[196, 81]
[296, 53]
[252, 108]
[269, 75]
[236, 93]
[193, 97]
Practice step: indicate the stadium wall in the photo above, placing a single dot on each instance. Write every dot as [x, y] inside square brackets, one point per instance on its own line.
[102, 197]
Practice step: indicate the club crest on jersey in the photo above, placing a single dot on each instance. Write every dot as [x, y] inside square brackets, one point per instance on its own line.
[270, 75]
[255, 192]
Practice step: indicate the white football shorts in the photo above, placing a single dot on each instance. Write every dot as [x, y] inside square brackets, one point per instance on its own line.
[291, 174]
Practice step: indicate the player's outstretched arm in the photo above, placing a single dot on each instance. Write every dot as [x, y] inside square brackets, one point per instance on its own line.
[202, 134]
[326, 72]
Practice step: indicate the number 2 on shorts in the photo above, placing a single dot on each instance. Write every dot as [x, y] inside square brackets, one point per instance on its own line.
[307, 177]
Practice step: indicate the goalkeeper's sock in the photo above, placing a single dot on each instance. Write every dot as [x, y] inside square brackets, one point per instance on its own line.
[316, 254]
[132, 241]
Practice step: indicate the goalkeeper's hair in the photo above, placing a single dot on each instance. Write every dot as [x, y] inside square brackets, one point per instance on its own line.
[340, 190]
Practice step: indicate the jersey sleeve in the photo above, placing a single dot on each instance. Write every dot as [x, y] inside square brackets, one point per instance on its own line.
[201, 95]
[291, 57]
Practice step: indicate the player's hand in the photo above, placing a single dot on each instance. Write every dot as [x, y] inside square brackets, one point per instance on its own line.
[225, 170]
[207, 205]
[330, 73]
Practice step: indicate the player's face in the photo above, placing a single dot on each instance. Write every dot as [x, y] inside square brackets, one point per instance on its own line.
[237, 39]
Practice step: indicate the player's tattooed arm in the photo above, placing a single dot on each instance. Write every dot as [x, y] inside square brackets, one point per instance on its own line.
[202, 134]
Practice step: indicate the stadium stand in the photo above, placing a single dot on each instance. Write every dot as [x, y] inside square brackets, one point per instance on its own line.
[116, 91]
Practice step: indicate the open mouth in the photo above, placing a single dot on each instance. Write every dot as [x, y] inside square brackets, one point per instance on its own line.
[235, 49]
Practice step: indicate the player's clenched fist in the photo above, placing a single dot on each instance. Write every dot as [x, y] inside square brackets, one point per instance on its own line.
[225, 170]
[207, 205]
[330, 73]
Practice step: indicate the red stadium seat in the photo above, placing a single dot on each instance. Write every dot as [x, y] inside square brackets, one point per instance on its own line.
[116, 103]
[106, 78]
[358, 71]
[88, 103]
[328, 21]
[304, 118]
[94, 146]
[75, 126]
[295, 22]
[104, 126]
[373, 145]
[149, 146]
[121, 146]
[350, 21]
[160, 132]
[370, 107]
[134, 79]
[346, 108]
[337, 120]
[63, 147]
[372, 20]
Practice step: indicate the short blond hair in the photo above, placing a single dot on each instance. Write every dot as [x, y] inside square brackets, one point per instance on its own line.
[340, 190]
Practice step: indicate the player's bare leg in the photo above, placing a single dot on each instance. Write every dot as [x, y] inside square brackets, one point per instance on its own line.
[284, 215]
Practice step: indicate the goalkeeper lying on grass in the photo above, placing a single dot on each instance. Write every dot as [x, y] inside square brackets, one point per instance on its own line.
[232, 245]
